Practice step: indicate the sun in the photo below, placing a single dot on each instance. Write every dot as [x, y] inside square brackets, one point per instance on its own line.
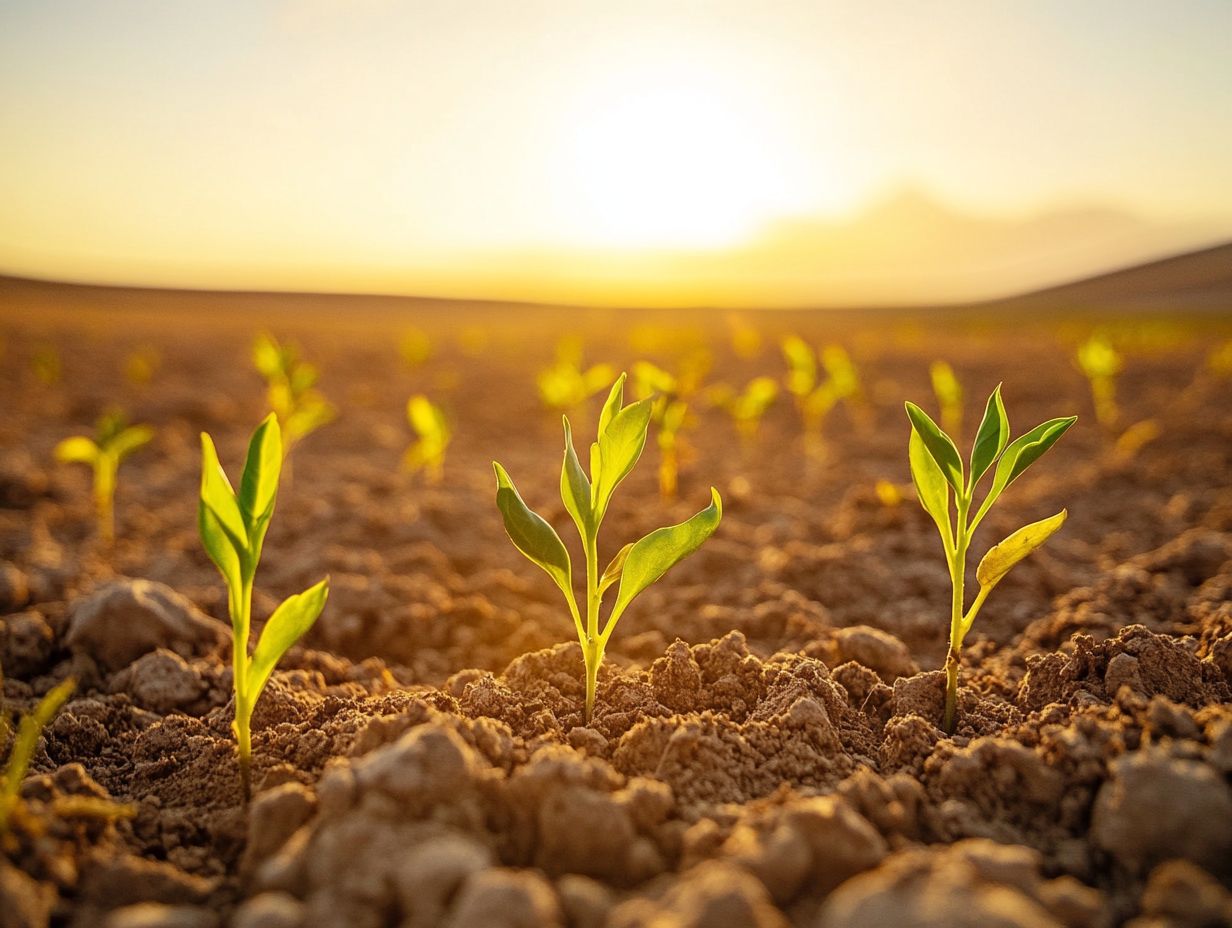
[671, 160]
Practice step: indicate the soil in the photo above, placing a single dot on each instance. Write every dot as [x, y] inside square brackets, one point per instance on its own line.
[765, 750]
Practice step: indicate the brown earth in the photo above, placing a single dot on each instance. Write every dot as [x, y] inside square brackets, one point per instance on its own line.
[765, 751]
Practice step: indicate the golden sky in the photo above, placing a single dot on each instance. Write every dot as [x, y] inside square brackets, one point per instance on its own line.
[735, 153]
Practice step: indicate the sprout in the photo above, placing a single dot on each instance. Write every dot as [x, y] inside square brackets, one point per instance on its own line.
[949, 397]
[291, 390]
[669, 412]
[1101, 363]
[141, 365]
[233, 528]
[936, 469]
[428, 452]
[565, 384]
[415, 347]
[24, 744]
[114, 440]
[817, 396]
[621, 438]
[747, 408]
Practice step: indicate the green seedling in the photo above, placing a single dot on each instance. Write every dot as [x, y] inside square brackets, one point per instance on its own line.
[29, 730]
[817, 395]
[748, 407]
[566, 384]
[1100, 363]
[949, 395]
[427, 454]
[621, 438]
[669, 413]
[233, 528]
[114, 440]
[936, 469]
[291, 390]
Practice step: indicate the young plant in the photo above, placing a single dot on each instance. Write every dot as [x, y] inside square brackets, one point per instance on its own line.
[949, 395]
[937, 469]
[24, 745]
[415, 347]
[566, 383]
[669, 412]
[233, 528]
[748, 407]
[621, 438]
[815, 395]
[428, 452]
[114, 440]
[291, 390]
[1101, 363]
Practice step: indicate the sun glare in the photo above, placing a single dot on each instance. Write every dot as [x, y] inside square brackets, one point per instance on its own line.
[671, 161]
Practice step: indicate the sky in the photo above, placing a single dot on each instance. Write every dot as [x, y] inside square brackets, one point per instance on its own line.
[736, 153]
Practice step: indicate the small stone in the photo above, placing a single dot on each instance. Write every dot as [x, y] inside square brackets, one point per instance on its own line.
[1122, 671]
[155, 915]
[431, 874]
[270, 910]
[128, 618]
[877, 650]
[26, 643]
[500, 898]
[160, 681]
[586, 902]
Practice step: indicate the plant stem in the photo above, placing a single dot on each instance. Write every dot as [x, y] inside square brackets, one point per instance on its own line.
[104, 500]
[241, 615]
[958, 569]
[592, 648]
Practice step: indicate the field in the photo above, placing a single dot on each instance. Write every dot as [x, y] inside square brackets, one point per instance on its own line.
[765, 749]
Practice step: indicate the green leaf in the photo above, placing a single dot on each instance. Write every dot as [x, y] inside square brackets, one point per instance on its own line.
[26, 742]
[619, 448]
[992, 437]
[77, 450]
[218, 546]
[653, 556]
[129, 440]
[1003, 556]
[218, 497]
[574, 487]
[614, 569]
[531, 534]
[930, 485]
[1025, 450]
[612, 405]
[801, 364]
[938, 445]
[287, 625]
[259, 483]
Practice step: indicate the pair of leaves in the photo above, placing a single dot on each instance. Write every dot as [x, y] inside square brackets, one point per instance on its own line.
[233, 526]
[290, 622]
[622, 436]
[115, 440]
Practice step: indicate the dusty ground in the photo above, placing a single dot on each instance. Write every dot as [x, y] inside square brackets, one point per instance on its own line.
[765, 750]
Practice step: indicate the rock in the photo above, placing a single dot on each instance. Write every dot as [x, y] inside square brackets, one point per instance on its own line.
[26, 644]
[161, 681]
[422, 769]
[946, 888]
[586, 902]
[599, 847]
[429, 877]
[1180, 894]
[273, 817]
[128, 618]
[714, 893]
[841, 842]
[270, 910]
[499, 898]
[154, 915]
[1155, 808]
[14, 588]
[1122, 671]
[24, 901]
[877, 650]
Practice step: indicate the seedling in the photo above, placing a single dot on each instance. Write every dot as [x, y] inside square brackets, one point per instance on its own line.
[815, 395]
[428, 452]
[748, 407]
[669, 413]
[1101, 363]
[621, 438]
[25, 743]
[291, 390]
[936, 469]
[233, 528]
[141, 366]
[114, 440]
[949, 397]
[566, 384]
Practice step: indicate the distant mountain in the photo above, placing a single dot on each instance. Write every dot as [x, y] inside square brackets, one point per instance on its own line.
[1195, 280]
